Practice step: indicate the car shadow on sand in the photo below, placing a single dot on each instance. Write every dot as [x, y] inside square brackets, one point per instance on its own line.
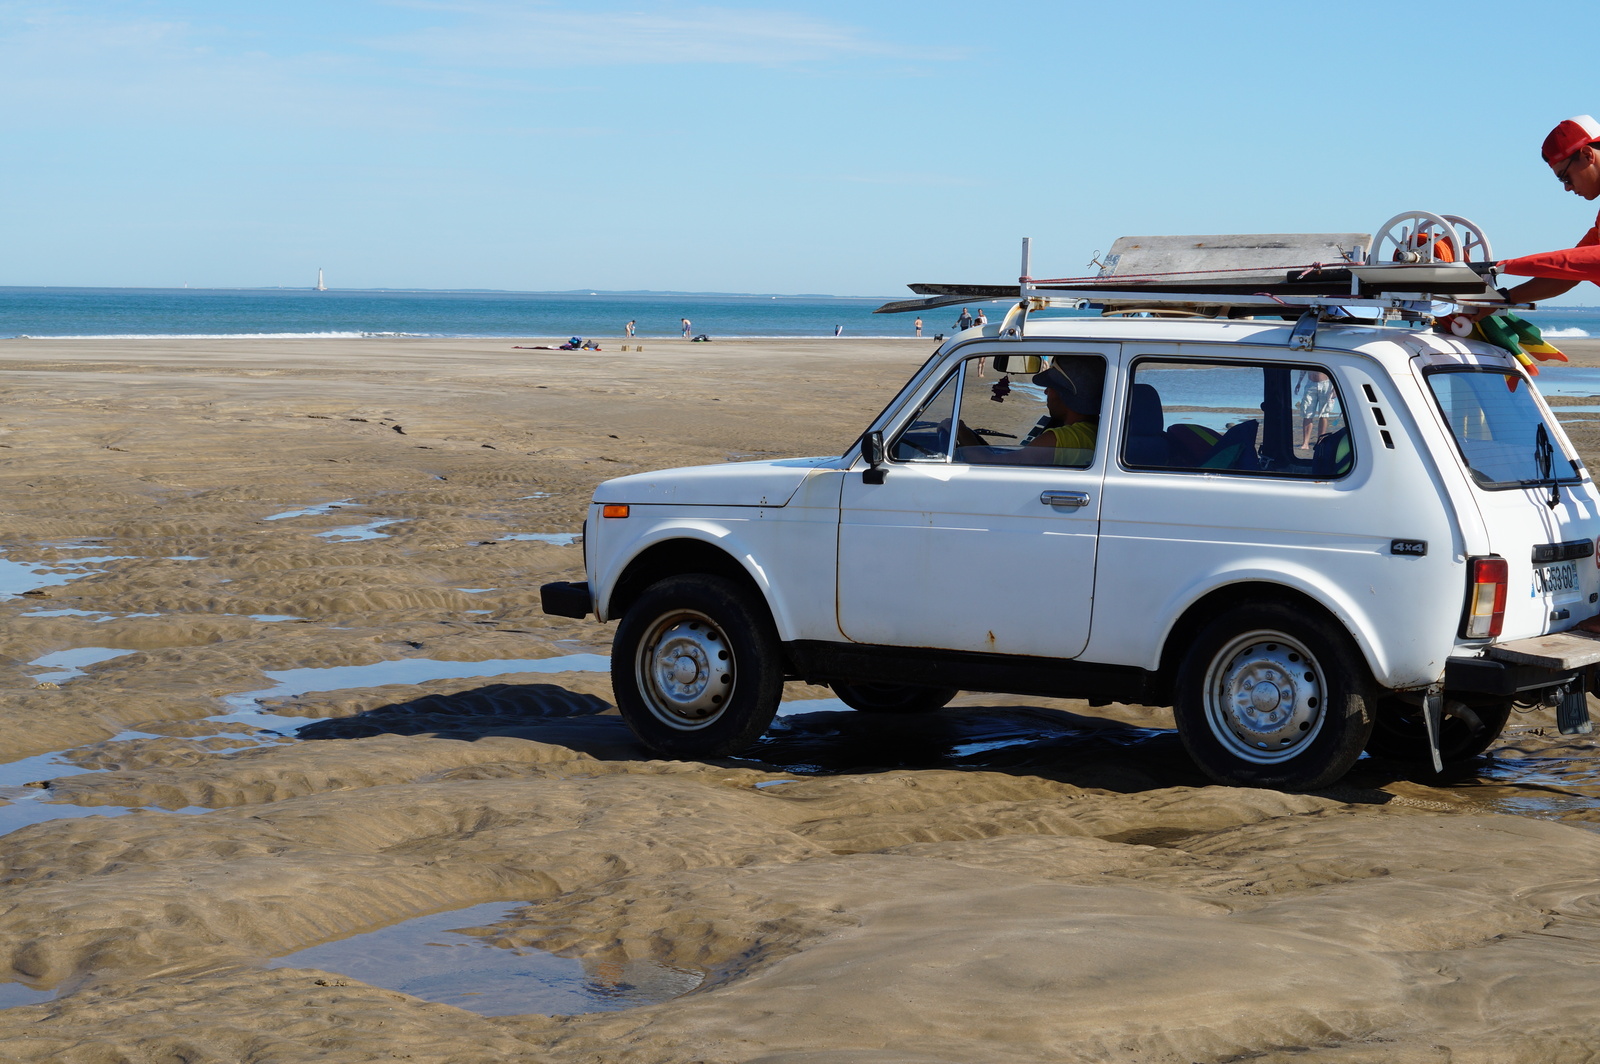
[1024, 740]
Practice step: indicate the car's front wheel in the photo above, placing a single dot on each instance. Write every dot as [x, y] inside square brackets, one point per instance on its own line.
[892, 697]
[696, 667]
[1270, 696]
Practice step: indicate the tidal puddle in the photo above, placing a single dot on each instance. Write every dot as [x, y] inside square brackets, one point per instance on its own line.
[354, 532]
[559, 539]
[26, 810]
[447, 958]
[13, 774]
[66, 665]
[320, 510]
[18, 578]
[1548, 788]
[287, 683]
[14, 994]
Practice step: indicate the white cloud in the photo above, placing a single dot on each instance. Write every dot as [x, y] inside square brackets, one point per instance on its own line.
[539, 35]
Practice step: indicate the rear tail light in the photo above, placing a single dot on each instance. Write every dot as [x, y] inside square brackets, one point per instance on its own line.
[1486, 598]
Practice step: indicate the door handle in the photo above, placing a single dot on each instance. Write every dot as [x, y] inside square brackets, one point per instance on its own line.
[1064, 500]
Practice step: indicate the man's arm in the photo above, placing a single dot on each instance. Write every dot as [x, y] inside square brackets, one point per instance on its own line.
[1540, 289]
[1555, 273]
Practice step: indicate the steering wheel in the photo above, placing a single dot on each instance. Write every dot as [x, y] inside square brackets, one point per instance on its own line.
[940, 436]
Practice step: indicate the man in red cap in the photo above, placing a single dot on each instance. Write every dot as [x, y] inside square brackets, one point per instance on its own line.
[1572, 151]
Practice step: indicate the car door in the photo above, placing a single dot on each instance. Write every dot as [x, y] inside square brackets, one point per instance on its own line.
[978, 546]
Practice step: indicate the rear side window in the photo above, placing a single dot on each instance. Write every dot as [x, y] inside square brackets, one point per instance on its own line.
[1265, 419]
[1499, 429]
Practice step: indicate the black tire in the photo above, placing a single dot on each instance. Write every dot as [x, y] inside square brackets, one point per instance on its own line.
[716, 630]
[1400, 733]
[892, 697]
[1313, 713]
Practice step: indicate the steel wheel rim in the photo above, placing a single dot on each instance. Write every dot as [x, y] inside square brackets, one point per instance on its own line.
[1265, 697]
[684, 669]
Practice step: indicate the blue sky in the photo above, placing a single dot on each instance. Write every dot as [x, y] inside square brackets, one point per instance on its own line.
[805, 146]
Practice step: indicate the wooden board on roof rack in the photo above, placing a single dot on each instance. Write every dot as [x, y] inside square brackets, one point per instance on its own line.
[1239, 256]
[1249, 270]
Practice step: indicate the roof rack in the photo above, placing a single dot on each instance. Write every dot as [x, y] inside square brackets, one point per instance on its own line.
[1413, 260]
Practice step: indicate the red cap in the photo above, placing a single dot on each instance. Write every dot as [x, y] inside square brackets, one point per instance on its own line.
[1568, 137]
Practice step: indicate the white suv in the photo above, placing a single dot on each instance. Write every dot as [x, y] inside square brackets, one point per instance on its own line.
[1306, 553]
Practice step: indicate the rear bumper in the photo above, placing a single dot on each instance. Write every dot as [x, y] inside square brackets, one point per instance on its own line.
[565, 599]
[1486, 676]
[1521, 665]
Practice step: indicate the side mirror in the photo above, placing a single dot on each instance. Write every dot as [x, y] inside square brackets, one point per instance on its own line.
[872, 451]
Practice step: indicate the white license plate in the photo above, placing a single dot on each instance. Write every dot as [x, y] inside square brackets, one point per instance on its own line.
[1559, 580]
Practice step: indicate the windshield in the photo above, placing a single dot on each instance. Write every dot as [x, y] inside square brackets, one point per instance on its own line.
[1497, 425]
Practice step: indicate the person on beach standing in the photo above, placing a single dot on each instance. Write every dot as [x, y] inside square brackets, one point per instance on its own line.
[982, 319]
[1572, 151]
[629, 327]
[918, 326]
[964, 322]
[838, 331]
[686, 327]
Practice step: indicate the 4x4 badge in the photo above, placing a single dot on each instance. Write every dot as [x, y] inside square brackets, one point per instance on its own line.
[1418, 547]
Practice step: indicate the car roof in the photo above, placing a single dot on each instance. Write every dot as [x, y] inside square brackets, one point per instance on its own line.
[1392, 345]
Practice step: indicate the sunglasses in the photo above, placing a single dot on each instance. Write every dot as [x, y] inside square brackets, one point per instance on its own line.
[1564, 174]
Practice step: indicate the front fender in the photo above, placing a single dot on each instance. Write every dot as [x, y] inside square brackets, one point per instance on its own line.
[725, 534]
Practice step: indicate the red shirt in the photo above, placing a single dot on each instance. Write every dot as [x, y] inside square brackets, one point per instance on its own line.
[1581, 263]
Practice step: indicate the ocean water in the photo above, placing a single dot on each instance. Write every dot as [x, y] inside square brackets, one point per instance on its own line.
[145, 312]
[281, 312]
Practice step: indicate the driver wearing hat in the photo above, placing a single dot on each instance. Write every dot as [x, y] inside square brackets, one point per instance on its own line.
[1072, 392]
[1572, 151]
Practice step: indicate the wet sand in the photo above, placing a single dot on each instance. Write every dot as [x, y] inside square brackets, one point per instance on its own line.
[1010, 880]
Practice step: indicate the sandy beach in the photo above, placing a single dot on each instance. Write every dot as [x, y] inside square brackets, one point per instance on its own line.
[1014, 879]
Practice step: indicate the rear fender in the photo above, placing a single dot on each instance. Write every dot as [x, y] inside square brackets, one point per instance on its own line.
[1412, 663]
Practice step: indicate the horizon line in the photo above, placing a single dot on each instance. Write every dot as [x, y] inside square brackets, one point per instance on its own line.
[488, 291]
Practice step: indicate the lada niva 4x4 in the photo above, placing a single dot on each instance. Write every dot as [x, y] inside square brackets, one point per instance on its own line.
[1306, 553]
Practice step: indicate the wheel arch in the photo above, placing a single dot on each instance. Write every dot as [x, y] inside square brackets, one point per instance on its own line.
[676, 555]
[1181, 636]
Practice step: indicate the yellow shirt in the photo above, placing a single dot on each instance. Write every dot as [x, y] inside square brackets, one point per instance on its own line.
[1074, 444]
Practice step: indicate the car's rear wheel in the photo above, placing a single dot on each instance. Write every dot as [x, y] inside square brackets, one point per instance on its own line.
[696, 667]
[1401, 733]
[1270, 696]
[892, 697]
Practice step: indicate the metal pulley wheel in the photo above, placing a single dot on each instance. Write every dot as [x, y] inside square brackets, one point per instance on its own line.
[1411, 236]
[1474, 243]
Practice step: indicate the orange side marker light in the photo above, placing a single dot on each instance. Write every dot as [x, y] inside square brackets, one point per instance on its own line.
[614, 509]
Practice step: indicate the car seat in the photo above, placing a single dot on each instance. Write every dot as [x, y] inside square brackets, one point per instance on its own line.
[1188, 444]
[1236, 449]
[1147, 440]
[1331, 457]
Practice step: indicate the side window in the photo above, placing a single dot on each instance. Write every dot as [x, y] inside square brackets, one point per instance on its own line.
[1265, 419]
[926, 436]
[1024, 410]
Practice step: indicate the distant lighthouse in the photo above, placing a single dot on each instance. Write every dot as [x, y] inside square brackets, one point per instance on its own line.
[320, 286]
